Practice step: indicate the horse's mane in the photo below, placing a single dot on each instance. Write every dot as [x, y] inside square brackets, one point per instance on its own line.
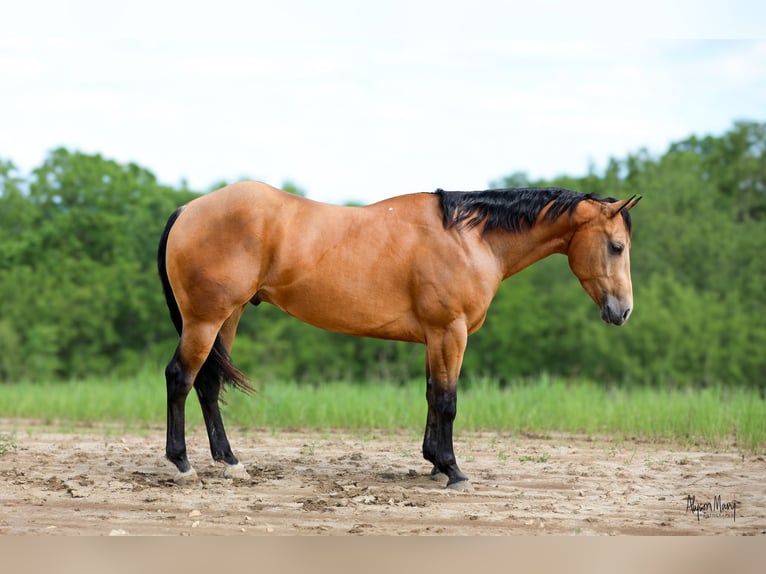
[513, 209]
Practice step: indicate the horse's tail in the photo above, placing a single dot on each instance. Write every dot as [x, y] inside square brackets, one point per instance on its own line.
[162, 269]
[218, 367]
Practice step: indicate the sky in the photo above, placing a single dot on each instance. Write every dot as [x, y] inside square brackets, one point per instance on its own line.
[358, 101]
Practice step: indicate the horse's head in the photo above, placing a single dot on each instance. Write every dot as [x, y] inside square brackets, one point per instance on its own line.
[599, 255]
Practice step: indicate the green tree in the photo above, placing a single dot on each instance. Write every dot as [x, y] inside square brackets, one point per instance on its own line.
[79, 293]
[78, 280]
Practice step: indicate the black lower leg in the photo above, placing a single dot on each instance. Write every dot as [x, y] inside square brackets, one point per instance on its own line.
[208, 391]
[177, 389]
[429, 436]
[446, 409]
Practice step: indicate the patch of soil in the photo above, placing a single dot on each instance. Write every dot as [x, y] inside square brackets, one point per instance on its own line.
[101, 482]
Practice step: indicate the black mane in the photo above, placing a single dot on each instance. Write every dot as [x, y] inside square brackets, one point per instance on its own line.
[514, 209]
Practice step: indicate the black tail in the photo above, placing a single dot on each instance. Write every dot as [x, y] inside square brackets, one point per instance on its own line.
[217, 367]
[162, 250]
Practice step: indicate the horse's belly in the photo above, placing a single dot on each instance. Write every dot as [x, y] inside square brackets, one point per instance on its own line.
[368, 312]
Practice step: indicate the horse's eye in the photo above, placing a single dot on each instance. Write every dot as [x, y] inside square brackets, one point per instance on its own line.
[616, 248]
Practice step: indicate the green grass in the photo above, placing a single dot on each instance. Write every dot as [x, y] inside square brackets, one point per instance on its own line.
[716, 417]
[528, 458]
[7, 443]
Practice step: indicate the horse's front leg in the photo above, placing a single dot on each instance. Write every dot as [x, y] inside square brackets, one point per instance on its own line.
[430, 445]
[444, 352]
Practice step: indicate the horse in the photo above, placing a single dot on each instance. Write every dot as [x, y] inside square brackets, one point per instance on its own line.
[421, 267]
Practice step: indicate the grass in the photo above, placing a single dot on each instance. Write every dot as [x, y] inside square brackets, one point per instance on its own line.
[528, 458]
[716, 417]
[7, 443]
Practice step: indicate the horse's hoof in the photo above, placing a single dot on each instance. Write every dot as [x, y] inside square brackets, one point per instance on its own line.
[436, 474]
[235, 471]
[188, 477]
[461, 486]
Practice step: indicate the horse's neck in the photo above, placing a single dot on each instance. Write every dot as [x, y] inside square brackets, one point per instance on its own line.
[516, 251]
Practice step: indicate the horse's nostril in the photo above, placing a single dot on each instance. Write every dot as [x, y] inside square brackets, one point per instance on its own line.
[626, 314]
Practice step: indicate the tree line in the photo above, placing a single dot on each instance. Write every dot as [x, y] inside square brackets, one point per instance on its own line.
[79, 294]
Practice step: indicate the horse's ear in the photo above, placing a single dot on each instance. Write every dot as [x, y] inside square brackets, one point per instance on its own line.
[631, 203]
[617, 207]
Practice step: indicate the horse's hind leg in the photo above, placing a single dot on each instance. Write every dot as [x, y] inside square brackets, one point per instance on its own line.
[195, 345]
[208, 391]
[178, 386]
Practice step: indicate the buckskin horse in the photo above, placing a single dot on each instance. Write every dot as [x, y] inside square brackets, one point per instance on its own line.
[422, 267]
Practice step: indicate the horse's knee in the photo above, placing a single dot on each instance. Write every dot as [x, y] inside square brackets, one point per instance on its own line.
[446, 405]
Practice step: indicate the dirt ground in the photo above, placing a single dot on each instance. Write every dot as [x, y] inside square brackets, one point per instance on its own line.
[101, 481]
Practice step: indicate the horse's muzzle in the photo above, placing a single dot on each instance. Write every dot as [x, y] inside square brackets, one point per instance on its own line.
[614, 311]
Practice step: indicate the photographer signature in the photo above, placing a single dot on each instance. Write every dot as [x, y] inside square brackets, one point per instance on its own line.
[714, 508]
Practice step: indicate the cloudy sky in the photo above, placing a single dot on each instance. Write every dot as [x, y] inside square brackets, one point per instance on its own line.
[364, 100]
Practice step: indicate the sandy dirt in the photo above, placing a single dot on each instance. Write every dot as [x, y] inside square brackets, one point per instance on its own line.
[101, 481]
